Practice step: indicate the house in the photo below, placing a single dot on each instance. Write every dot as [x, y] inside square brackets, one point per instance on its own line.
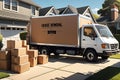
[112, 19]
[86, 11]
[14, 17]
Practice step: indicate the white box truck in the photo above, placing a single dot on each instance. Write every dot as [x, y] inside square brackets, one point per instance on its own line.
[72, 34]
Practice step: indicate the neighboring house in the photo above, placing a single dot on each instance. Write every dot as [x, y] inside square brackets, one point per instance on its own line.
[14, 17]
[112, 19]
[67, 10]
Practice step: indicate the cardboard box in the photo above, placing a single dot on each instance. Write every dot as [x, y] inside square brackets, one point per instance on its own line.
[33, 61]
[20, 59]
[18, 52]
[42, 59]
[11, 44]
[32, 53]
[27, 47]
[24, 43]
[20, 68]
[5, 55]
[5, 65]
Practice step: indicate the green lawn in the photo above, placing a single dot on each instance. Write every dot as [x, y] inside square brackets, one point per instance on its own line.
[117, 56]
[109, 73]
[3, 75]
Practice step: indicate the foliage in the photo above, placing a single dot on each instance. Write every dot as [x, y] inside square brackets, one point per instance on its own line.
[109, 73]
[106, 7]
[96, 16]
[3, 75]
[23, 35]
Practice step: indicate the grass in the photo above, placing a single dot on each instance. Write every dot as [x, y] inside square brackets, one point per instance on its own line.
[117, 56]
[109, 73]
[3, 75]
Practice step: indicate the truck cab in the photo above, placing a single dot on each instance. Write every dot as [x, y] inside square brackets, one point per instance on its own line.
[97, 40]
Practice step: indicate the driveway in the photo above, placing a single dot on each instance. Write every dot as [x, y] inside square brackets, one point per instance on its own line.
[64, 68]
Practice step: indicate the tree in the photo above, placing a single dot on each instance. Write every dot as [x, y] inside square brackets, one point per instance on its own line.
[106, 7]
[96, 16]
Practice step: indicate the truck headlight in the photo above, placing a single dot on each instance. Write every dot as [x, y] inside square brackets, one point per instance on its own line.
[105, 46]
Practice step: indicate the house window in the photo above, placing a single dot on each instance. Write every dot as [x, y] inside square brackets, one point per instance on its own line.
[33, 10]
[14, 5]
[7, 4]
[11, 4]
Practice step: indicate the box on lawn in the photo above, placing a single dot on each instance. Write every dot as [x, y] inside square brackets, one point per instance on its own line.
[11, 44]
[21, 68]
[18, 52]
[33, 61]
[20, 59]
[42, 59]
[5, 65]
[32, 53]
[5, 55]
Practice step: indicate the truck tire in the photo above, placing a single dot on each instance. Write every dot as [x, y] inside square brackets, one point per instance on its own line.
[45, 51]
[104, 57]
[91, 56]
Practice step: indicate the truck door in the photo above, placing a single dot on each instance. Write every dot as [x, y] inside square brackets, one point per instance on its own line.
[89, 38]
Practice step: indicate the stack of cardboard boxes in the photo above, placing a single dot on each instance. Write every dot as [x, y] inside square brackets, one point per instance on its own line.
[19, 58]
[33, 54]
[5, 60]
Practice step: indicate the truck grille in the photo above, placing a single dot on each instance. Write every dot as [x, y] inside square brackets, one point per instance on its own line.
[114, 46]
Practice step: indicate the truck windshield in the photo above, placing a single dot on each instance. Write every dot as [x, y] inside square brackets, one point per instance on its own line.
[104, 31]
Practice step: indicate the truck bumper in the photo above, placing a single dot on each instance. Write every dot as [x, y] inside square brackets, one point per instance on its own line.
[110, 52]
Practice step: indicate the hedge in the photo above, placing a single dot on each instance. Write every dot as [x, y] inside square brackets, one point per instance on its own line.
[117, 36]
[23, 35]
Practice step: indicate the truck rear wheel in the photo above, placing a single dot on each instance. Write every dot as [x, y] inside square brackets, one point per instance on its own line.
[45, 51]
[91, 56]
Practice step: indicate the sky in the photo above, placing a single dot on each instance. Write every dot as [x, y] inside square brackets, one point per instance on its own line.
[94, 4]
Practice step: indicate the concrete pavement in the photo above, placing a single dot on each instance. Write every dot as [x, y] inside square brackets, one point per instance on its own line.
[64, 68]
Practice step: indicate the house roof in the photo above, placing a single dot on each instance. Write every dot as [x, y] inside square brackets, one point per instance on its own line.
[81, 10]
[61, 10]
[13, 15]
[30, 2]
[44, 11]
[103, 19]
[73, 9]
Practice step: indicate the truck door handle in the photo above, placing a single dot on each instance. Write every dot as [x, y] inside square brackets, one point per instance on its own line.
[83, 39]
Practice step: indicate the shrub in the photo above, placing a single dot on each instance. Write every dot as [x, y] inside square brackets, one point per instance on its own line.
[117, 36]
[23, 35]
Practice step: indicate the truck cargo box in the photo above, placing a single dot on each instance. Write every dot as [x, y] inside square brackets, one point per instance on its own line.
[62, 30]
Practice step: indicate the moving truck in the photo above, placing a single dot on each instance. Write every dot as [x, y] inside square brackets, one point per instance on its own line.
[73, 34]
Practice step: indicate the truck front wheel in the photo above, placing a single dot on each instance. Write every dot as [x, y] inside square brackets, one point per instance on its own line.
[91, 56]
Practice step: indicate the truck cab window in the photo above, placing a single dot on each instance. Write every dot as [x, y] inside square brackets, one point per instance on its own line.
[89, 31]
